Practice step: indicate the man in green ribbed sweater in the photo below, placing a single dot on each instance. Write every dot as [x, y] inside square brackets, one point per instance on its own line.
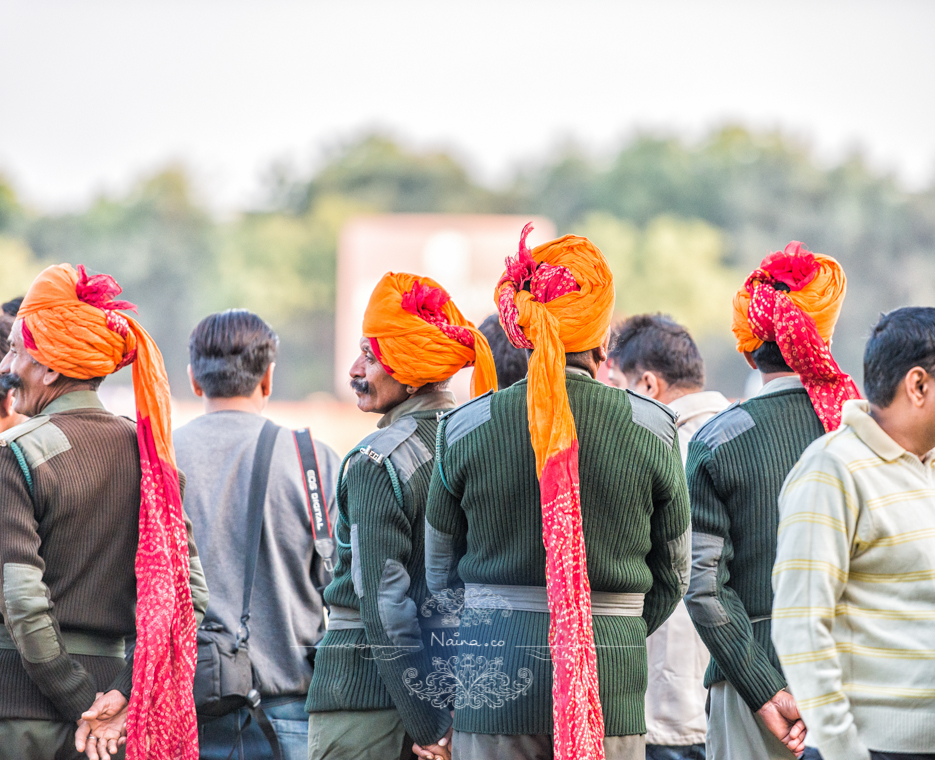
[485, 522]
[359, 705]
[736, 466]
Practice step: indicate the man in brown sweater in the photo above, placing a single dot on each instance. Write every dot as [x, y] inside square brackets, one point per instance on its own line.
[70, 480]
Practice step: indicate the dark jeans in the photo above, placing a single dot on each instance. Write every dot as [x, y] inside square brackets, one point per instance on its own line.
[287, 715]
[665, 752]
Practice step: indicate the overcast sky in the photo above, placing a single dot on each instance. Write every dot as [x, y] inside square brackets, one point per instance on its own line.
[94, 93]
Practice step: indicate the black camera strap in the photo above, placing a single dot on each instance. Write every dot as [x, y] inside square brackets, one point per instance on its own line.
[315, 497]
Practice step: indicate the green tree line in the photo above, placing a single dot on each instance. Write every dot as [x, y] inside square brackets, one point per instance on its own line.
[681, 224]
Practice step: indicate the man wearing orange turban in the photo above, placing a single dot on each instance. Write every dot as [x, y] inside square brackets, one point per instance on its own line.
[84, 493]
[560, 506]
[784, 316]
[414, 340]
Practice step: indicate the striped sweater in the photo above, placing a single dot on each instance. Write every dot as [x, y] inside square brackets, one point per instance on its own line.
[855, 591]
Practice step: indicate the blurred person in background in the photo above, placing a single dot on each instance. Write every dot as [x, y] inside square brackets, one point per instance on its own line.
[526, 480]
[87, 497]
[656, 357]
[414, 340]
[232, 358]
[855, 565]
[784, 317]
[512, 363]
[8, 418]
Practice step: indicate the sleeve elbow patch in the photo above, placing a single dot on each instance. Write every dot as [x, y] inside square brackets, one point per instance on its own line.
[701, 599]
[439, 557]
[397, 611]
[680, 558]
[28, 613]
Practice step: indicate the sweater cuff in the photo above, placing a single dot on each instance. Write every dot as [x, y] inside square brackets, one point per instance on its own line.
[124, 681]
[426, 734]
[760, 684]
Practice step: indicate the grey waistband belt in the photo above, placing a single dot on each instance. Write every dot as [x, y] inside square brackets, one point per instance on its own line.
[347, 619]
[79, 643]
[486, 596]
[761, 618]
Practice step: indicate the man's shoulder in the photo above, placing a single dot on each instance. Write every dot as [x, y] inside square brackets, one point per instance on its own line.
[734, 422]
[397, 442]
[467, 418]
[653, 416]
[44, 436]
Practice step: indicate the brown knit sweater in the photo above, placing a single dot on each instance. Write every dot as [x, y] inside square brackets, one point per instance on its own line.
[67, 556]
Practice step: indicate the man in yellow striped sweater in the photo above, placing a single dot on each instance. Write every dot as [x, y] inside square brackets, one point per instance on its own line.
[854, 577]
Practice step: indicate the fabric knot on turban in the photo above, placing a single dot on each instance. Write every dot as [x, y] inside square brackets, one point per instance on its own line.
[419, 336]
[558, 299]
[794, 299]
[71, 325]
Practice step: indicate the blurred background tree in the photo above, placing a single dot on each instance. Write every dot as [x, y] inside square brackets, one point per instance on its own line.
[681, 224]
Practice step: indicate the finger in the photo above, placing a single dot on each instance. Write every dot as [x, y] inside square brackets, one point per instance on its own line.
[112, 747]
[92, 713]
[81, 736]
[91, 749]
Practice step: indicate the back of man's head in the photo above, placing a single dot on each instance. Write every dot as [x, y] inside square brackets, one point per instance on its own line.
[512, 363]
[230, 352]
[657, 343]
[901, 340]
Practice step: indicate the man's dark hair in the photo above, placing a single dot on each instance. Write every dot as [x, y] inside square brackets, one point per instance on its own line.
[11, 307]
[230, 352]
[511, 362]
[902, 339]
[768, 358]
[657, 343]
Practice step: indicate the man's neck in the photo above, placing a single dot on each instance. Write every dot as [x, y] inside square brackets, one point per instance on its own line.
[892, 422]
[249, 404]
[768, 377]
[675, 391]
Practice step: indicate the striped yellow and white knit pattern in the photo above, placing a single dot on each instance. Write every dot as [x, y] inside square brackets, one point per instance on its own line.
[854, 582]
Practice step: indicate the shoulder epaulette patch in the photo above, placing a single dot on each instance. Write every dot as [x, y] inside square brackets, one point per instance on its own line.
[38, 439]
[467, 417]
[657, 418]
[724, 427]
[381, 443]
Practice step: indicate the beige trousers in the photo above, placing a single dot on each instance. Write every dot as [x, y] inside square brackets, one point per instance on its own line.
[468, 746]
[735, 732]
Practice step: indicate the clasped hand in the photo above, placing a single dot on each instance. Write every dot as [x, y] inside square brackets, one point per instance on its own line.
[102, 730]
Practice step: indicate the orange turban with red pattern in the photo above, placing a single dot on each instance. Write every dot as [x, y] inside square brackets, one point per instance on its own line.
[558, 299]
[71, 324]
[794, 299]
[419, 336]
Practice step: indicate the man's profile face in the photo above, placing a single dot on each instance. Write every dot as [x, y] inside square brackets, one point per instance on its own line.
[615, 377]
[25, 374]
[376, 390]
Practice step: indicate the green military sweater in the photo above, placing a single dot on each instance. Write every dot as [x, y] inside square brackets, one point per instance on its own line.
[737, 463]
[380, 576]
[484, 526]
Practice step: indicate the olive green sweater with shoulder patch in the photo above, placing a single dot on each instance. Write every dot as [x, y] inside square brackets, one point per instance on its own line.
[484, 529]
[377, 636]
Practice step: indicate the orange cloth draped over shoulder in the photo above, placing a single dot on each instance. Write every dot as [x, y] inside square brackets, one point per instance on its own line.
[558, 299]
[72, 325]
[419, 336]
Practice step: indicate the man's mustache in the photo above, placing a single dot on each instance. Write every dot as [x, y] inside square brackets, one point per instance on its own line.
[10, 382]
[361, 386]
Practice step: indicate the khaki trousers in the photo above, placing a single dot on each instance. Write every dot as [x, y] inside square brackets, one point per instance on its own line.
[358, 735]
[39, 740]
[735, 732]
[468, 746]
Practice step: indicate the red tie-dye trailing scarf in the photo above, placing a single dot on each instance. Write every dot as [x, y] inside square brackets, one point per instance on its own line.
[774, 317]
[72, 325]
[524, 291]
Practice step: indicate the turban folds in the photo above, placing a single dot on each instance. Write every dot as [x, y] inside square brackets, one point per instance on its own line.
[71, 325]
[419, 336]
[794, 299]
[558, 299]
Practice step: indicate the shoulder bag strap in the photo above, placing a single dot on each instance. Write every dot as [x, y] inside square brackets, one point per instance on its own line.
[315, 497]
[259, 480]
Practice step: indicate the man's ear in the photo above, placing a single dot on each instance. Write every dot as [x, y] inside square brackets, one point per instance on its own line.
[266, 382]
[918, 385]
[50, 377]
[749, 357]
[196, 389]
[600, 354]
[653, 387]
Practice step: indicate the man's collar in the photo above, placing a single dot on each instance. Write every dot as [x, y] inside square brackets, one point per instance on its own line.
[788, 383]
[856, 415]
[701, 402]
[424, 402]
[74, 400]
[577, 371]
